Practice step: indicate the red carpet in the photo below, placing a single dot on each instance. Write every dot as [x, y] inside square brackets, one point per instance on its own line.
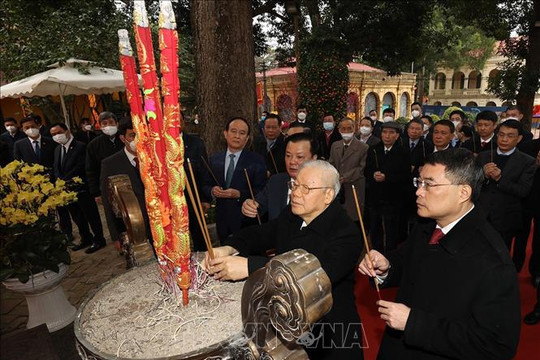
[529, 343]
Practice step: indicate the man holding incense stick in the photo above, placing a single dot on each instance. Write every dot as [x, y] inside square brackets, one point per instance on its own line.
[316, 222]
[226, 179]
[458, 294]
[274, 197]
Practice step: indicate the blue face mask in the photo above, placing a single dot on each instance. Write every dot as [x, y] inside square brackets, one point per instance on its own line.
[263, 118]
[328, 126]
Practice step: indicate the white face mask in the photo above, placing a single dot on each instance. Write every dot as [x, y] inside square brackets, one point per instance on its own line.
[388, 119]
[60, 138]
[365, 130]
[11, 129]
[32, 132]
[426, 128]
[110, 130]
[415, 113]
[87, 127]
[328, 126]
[133, 146]
[373, 118]
[456, 123]
[347, 136]
[302, 116]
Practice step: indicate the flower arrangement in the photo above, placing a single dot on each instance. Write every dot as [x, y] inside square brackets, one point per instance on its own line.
[30, 241]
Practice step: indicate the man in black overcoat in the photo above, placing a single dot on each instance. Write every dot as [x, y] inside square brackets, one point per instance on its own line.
[316, 222]
[388, 176]
[458, 294]
[509, 176]
[101, 147]
[123, 162]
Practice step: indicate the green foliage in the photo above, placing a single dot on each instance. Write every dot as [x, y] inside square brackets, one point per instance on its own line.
[186, 71]
[28, 250]
[435, 117]
[38, 33]
[402, 120]
[471, 48]
[513, 75]
[446, 115]
[323, 77]
[29, 240]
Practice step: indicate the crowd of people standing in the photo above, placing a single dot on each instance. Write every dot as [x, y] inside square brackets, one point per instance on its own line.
[482, 175]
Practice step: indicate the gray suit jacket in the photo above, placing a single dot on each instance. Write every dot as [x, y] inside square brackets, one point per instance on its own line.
[351, 166]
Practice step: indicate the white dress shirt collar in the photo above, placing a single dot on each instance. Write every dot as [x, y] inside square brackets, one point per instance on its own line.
[130, 157]
[450, 226]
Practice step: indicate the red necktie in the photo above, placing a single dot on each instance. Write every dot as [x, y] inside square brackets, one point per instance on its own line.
[483, 143]
[436, 236]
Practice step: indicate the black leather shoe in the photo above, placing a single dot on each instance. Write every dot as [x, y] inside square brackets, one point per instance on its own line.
[532, 318]
[535, 281]
[80, 246]
[95, 247]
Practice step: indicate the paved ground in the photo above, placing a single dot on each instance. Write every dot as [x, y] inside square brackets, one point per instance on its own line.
[86, 273]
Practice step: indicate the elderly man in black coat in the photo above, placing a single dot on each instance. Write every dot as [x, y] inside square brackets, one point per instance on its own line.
[458, 295]
[317, 223]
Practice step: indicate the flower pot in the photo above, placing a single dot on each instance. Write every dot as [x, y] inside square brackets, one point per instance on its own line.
[47, 302]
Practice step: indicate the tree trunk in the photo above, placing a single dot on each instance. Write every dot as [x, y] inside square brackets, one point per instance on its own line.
[531, 76]
[225, 66]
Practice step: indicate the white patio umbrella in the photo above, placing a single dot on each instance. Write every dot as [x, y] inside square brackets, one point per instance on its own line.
[67, 80]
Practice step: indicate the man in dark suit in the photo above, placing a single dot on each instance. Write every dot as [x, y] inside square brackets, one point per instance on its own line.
[365, 132]
[301, 118]
[419, 147]
[101, 147]
[232, 187]
[315, 222]
[483, 139]
[458, 294]
[195, 151]
[271, 146]
[388, 175]
[11, 135]
[122, 162]
[35, 148]
[4, 153]
[275, 196]
[329, 136]
[509, 175]
[515, 112]
[69, 162]
[85, 133]
[457, 117]
[443, 133]
[428, 127]
[531, 206]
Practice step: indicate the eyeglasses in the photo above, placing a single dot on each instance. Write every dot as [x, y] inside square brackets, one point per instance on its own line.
[304, 189]
[421, 183]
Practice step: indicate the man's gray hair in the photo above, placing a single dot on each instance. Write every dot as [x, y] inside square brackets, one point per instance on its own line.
[331, 175]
